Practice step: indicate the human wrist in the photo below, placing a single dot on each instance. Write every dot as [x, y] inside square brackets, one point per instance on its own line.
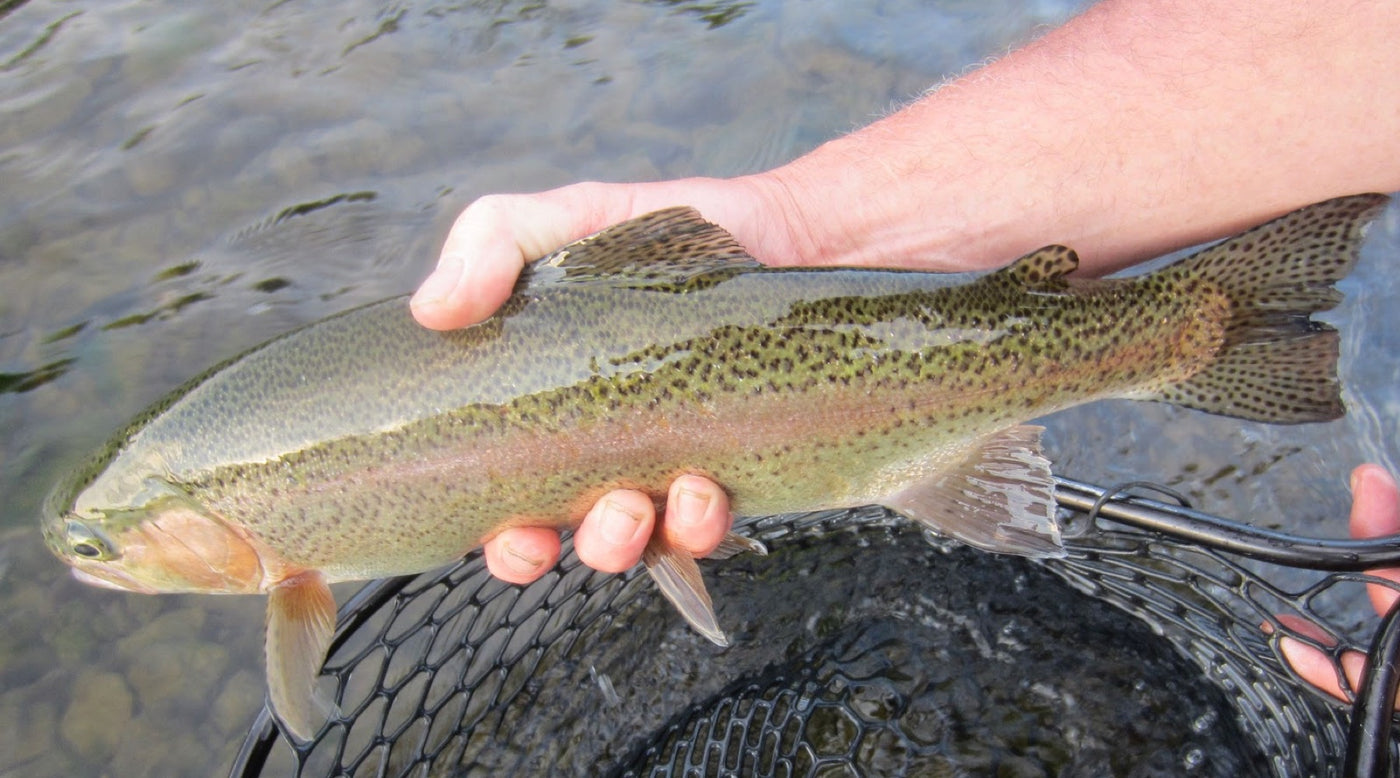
[861, 200]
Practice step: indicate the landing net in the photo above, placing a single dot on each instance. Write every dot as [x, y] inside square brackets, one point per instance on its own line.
[859, 649]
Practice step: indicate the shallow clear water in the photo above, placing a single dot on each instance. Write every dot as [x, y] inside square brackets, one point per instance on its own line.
[179, 181]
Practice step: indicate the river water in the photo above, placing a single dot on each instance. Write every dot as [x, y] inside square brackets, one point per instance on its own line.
[179, 181]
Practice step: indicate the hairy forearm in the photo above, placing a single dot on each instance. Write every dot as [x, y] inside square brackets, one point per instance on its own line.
[1138, 127]
[1141, 126]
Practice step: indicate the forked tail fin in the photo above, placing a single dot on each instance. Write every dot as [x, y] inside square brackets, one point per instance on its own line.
[1277, 364]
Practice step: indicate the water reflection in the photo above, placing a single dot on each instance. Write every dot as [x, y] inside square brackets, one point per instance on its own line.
[44, 37]
[33, 379]
[715, 14]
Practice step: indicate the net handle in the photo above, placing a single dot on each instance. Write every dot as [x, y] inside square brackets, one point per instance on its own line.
[1192, 526]
[1368, 738]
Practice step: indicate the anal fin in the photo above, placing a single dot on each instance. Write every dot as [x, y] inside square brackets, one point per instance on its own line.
[300, 623]
[678, 577]
[1001, 497]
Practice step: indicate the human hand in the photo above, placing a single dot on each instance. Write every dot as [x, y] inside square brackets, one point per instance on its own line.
[484, 253]
[495, 236]
[1375, 511]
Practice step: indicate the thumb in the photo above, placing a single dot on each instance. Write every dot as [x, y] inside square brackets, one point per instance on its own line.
[495, 237]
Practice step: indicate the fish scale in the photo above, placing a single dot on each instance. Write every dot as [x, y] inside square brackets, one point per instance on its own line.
[729, 375]
[365, 446]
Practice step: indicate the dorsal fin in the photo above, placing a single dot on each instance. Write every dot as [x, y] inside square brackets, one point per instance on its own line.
[667, 247]
[1041, 267]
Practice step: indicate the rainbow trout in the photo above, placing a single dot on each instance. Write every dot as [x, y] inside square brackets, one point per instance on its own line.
[364, 446]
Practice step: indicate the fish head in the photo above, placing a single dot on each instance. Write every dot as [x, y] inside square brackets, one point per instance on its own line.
[150, 539]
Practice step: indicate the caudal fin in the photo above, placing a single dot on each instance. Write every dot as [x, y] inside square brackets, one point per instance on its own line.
[1277, 364]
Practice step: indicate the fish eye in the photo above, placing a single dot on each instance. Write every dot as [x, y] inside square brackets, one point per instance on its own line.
[88, 543]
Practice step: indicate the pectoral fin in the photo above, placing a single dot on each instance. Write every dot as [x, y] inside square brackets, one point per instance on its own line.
[1001, 497]
[300, 622]
[676, 573]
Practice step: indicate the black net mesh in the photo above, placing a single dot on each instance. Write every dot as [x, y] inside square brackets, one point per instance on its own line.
[858, 649]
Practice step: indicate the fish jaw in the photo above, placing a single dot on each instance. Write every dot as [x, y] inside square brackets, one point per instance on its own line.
[112, 581]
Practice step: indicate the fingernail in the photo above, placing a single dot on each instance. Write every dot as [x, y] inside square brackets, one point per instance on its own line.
[518, 562]
[691, 508]
[440, 283]
[617, 526]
